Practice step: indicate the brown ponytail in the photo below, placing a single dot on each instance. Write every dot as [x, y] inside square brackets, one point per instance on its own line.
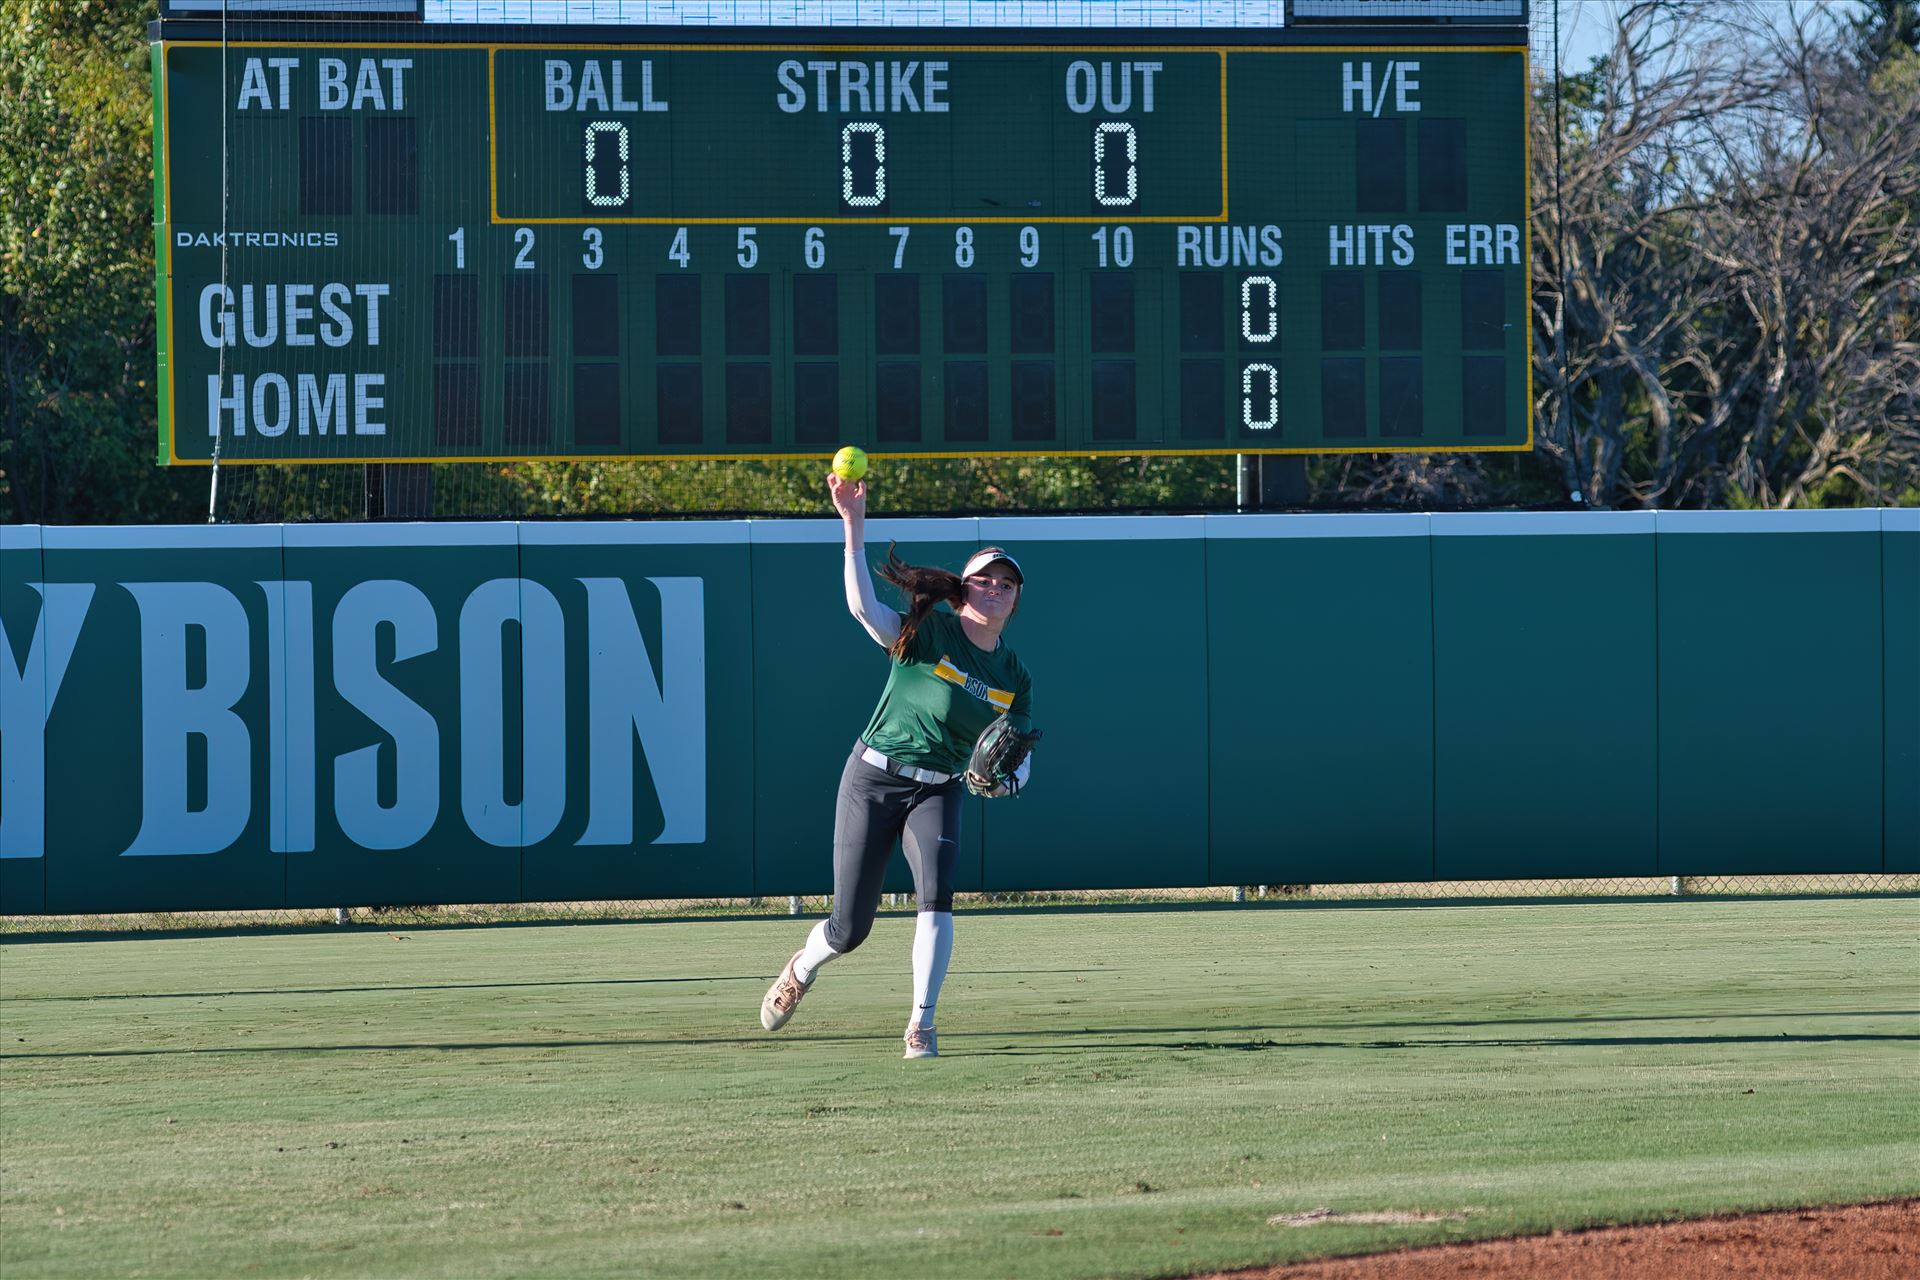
[925, 588]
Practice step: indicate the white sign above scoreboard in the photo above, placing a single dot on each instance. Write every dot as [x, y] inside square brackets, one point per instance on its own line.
[1091, 14]
[1456, 11]
[1067, 14]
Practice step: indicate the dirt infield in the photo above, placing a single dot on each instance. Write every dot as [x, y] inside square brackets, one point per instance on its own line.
[1855, 1242]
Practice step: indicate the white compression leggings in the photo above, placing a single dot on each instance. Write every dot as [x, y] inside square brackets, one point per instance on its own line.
[932, 950]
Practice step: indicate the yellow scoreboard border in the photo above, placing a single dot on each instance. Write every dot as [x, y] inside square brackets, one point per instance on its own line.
[493, 144]
[1526, 194]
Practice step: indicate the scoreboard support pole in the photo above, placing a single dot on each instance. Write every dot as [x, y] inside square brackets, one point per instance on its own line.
[1269, 482]
[402, 490]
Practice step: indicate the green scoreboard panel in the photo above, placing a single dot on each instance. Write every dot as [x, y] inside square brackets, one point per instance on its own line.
[393, 250]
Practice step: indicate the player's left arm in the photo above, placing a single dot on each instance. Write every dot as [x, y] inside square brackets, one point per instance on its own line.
[1020, 715]
[1020, 710]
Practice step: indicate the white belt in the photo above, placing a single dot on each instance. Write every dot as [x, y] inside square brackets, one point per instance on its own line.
[888, 763]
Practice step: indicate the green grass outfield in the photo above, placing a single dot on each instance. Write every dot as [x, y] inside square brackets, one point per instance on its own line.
[1124, 1092]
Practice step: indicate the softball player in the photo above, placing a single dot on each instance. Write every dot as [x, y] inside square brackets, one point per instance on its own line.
[952, 674]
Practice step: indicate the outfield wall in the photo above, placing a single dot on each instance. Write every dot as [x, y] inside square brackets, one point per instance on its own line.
[249, 717]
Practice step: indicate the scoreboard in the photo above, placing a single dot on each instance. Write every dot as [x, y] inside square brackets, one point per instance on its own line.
[506, 244]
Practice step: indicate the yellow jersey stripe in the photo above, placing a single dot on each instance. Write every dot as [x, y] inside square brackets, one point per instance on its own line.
[945, 669]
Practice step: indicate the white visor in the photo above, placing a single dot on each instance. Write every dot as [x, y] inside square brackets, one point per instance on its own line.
[992, 555]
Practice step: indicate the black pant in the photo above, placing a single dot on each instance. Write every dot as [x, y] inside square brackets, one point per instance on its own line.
[875, 809]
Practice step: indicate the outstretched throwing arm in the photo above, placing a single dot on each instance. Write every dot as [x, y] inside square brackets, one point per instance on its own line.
[850, 500]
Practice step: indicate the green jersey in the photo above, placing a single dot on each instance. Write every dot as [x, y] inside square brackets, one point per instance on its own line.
[943, 693]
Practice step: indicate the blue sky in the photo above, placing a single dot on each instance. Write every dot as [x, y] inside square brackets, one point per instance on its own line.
[1586, 26]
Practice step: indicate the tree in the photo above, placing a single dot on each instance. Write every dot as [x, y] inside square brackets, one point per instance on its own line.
[1809, 378]
[1884, 29]
[1723, 281]
[76, 269]
[1725, 256]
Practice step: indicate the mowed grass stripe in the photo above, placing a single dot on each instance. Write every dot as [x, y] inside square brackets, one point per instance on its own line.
[1129, 1093]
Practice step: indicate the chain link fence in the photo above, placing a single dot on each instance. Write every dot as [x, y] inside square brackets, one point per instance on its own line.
[1626, 888]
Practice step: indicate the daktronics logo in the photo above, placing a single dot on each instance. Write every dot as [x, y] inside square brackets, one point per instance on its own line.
[256, 239]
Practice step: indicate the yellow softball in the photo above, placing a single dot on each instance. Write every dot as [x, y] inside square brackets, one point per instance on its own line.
[850, 463]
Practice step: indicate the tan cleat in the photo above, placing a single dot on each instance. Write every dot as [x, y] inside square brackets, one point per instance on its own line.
[783, 997]
[922, 1042]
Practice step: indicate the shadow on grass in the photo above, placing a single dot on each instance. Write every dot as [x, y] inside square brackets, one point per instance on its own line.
[1494, 1042]
[446, 986]
[1087, 1040]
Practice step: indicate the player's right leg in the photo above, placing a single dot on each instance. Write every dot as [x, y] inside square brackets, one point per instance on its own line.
[871, 807]
[931, 841]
